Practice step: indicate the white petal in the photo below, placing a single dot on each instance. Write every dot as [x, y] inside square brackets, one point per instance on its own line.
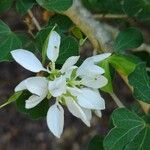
[37, 85]
[76, 110]
[28, 60]
[89, 70]
[90, 99]
[98, 113]
[96, 83]
[58, 86]
[74, 91]
[53, 46]
[69, 63]
[33, 101]
[100, 57]
[68, 73]
[55, 119]
[21, 86]
[88, 113]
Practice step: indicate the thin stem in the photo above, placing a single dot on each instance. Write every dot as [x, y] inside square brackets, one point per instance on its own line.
[110, 16]
[34, 20]
[117, 100]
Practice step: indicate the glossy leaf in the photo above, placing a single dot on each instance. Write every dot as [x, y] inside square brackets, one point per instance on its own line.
[108, 88]
[35, 113]
[122, 63]
[130, 132]
[9, 41]
[69, 47]
[144, 14]
[140, 81]
[133, 7]
[42, 36]
[55, 5]
[22, 6]
[5, 5]
[63, 22]
[129, 38]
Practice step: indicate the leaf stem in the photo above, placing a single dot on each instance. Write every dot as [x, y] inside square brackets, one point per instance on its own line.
[36, 23]
[116, 100]
[110, 16]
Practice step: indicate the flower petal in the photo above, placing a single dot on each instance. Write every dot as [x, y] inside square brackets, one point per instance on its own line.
[28, 60]
[55, 119]
[69, 72]
[33, 101]
[37, 85]
[100, 57]
[76, 110]
[21, 86]
[98, 113]
[96, 83]
[69, 63]
[90, 99]
[89, 70]
[58, 86]
[88, 113]
[53, 46]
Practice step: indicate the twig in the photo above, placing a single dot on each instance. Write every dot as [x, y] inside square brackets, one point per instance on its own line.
[109, 16]
[117, 100]
[143, 47]
[34, 20]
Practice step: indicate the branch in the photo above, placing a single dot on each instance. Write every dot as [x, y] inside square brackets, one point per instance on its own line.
[34, 20]
[99, 34]
[117, 100]
[109, 16]
[143, 47]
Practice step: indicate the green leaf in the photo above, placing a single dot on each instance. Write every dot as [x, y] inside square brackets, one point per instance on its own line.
[143, 15]
[37, 112]
[132, 7]
[122, 63]
[22, 6]
[140, 81]
[13, 98]
[108, 88]
[127, 39]
[55, 5]
[4, 29]
[5, 5]
[63, 22]
[69, 47]
[96, 143]
[42, 36]
[77, 32]
[130, 132]
[9, 41]
[28, 42]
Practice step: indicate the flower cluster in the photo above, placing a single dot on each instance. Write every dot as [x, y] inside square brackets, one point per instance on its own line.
[71, 86]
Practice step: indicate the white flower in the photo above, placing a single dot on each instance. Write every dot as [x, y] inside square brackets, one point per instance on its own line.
[77, 88]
